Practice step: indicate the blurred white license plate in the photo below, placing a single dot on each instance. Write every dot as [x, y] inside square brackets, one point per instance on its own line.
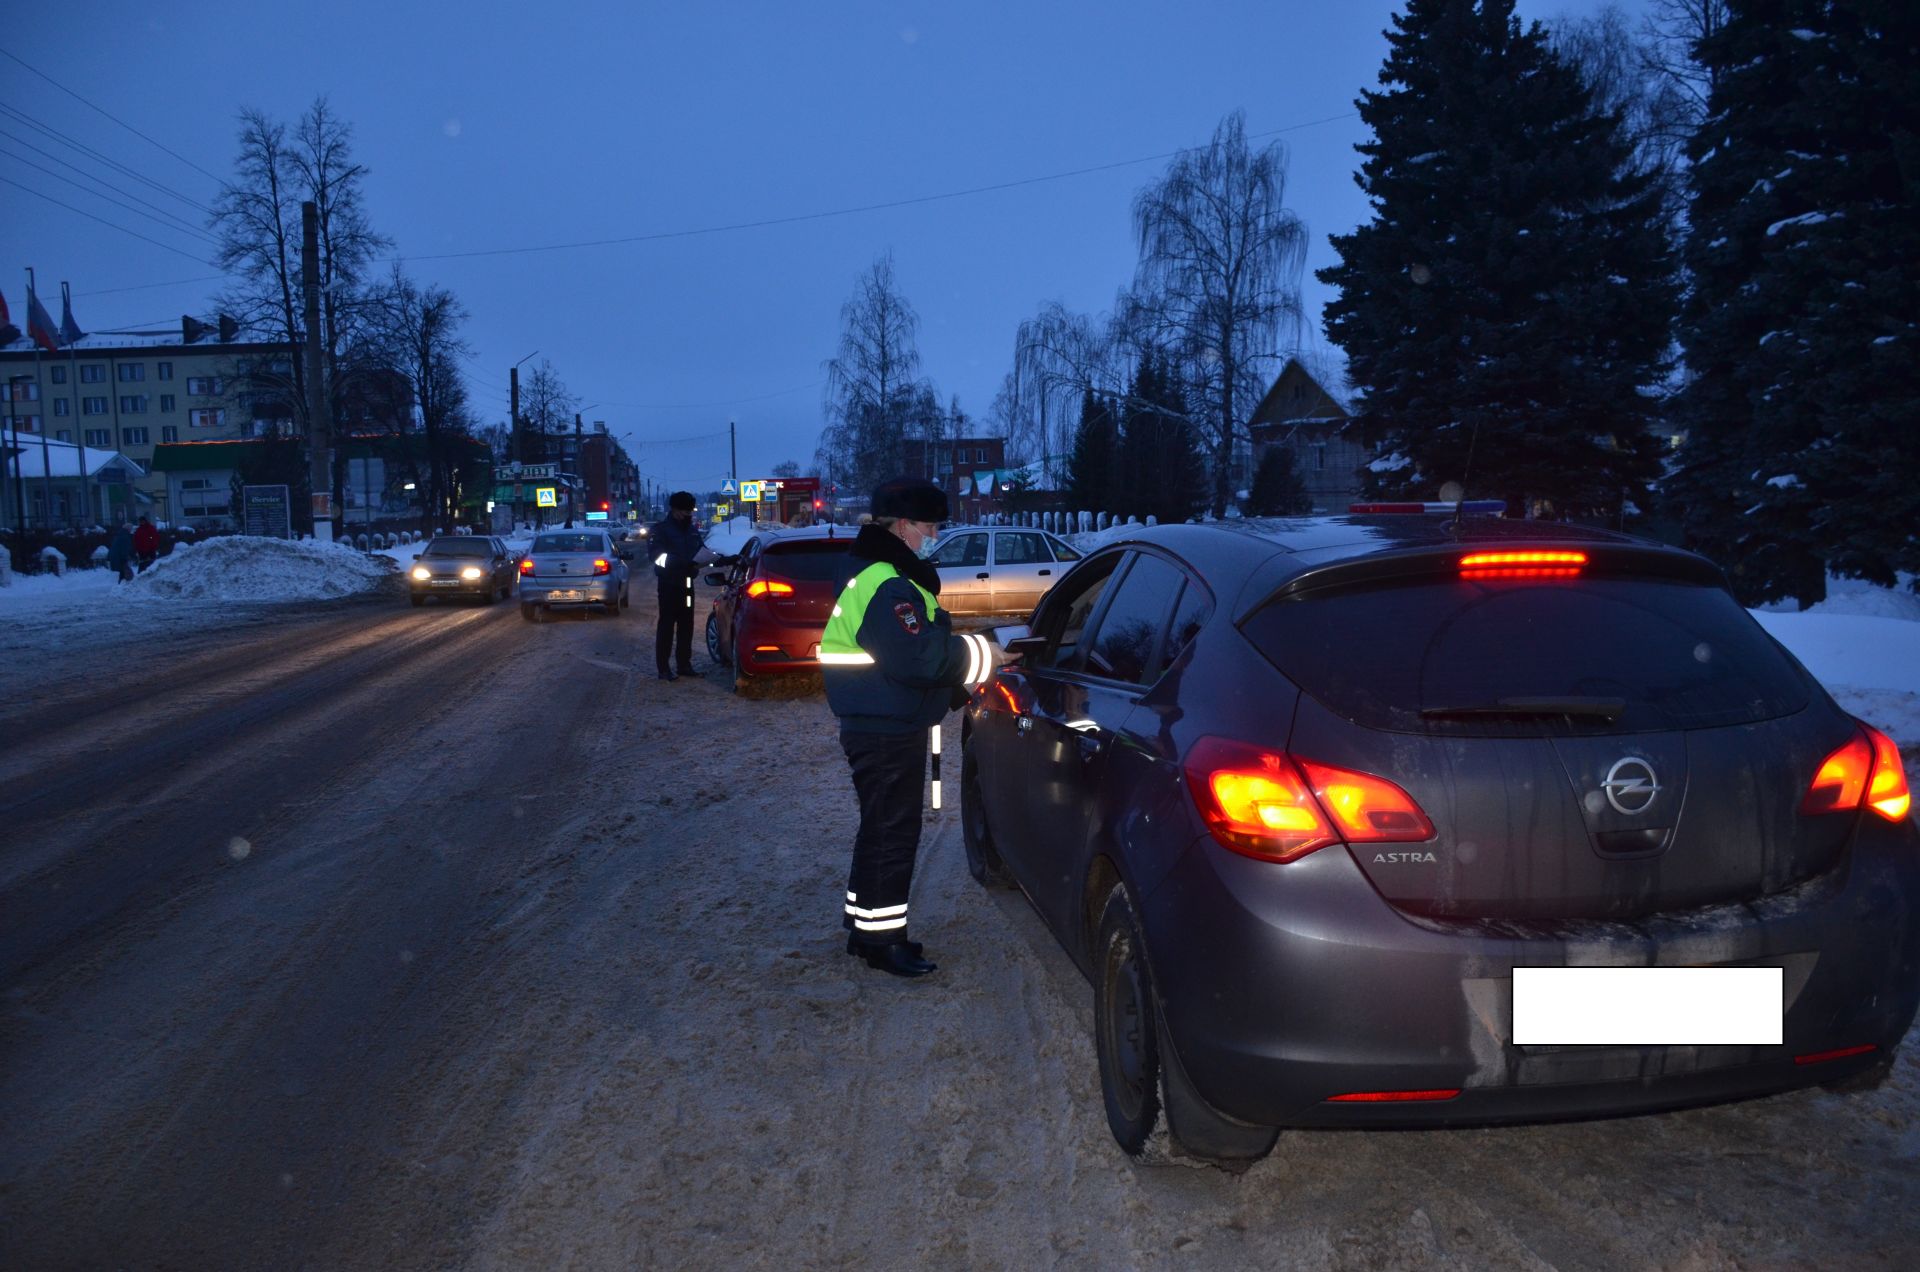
[446, 582]
[1646, 1006]
[564, 594]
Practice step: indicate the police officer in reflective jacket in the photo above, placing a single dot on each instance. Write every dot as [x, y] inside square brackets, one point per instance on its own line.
[675, 543]
[893, 667]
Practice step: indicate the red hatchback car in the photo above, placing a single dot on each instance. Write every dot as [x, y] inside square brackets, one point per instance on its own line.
[775, 598]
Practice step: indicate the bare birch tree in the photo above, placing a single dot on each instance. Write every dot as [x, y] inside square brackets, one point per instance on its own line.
[1218, 283]
[421, 341]
[546, 408]
[875, 398]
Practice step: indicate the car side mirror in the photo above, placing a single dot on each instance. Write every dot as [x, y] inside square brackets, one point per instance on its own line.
[714, 578]
[1025, 645]
[1004, 635]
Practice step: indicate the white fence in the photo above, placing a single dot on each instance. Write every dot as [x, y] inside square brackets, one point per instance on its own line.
[1063, 522]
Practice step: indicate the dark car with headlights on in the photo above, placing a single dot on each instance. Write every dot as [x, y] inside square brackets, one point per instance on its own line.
[573, 569]
[1417, 821]
[775, 596]
[472, 566]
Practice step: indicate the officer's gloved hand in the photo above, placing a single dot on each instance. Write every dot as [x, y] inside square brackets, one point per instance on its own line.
[960, 697]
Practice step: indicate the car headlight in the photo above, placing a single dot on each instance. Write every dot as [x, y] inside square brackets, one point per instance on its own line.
[422, 573]
[471, 572]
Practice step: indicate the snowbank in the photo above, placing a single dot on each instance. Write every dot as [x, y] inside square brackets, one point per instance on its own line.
[244, 568]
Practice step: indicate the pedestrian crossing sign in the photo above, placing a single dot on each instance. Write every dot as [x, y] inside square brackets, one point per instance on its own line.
[749, 492]
[727, 488]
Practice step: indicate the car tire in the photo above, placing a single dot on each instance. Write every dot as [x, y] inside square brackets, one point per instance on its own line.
[487, 597]
[1126, 1037]
[743, 679]
[713, 637]
[1142, 1081]
[613, 608]
[626, 598]
[417, 599]
[983, 859]
[530, 612]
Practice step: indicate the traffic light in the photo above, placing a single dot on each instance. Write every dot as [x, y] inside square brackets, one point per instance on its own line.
[605, 506]
[816, 505]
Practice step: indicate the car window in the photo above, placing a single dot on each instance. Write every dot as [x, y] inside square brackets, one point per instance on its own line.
[570, 543]
[1126, 644]
[460, 545]
[1063, 551]
[1019, 547]
[1677, 655]
[1189, 616]
[962, 549]
[809, 559]
[1063, 616]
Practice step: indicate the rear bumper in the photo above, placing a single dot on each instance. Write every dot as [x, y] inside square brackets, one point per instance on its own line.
[1285, 986]
[601, 590]
[769, 648]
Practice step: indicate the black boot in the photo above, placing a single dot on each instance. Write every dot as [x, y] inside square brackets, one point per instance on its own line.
[895, 958]
[667, 673]
[854, 947]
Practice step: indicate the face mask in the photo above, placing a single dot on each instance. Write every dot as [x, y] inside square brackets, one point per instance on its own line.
[927, 545]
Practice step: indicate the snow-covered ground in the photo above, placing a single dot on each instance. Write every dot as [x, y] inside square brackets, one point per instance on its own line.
[1862, 642]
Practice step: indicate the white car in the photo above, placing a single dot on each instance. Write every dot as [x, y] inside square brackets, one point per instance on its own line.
[998, 569]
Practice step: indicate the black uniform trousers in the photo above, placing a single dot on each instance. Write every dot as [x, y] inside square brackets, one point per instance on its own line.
[674, 634]
[888, 770]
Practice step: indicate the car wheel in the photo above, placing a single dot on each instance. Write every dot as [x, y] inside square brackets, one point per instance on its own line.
[713, 637]
[1125, 1034]
[487, 597]
[983, 860]
[1141, 1076]
[530, 612]
[417, 599]
[626, 597]
[613, 608]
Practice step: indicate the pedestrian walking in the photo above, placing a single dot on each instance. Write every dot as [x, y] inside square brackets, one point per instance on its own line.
[675, 542]
[120, 552]
[146, 544]
[894, 667]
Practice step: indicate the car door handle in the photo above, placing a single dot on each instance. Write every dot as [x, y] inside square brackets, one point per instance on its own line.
[1045, 572]
[983, 574]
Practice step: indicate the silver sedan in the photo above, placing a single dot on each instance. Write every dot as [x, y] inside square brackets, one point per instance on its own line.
[998, 569]
[573, 568]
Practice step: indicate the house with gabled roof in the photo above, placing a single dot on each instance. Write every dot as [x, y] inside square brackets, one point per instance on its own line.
[1316, 423]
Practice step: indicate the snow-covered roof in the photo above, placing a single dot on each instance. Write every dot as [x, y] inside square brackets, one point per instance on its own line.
[39, 454]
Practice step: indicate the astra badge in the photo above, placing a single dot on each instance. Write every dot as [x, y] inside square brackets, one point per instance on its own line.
[1630, 785]
[908, 619]
[1395, 858]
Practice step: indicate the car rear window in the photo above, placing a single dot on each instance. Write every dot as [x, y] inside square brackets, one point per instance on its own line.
[569, 543]
[813, 559]
[1675, 655]
[458, 546]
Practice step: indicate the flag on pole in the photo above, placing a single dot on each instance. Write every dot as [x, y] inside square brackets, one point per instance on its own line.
[8, 332]
[70, 332]
[40, 324]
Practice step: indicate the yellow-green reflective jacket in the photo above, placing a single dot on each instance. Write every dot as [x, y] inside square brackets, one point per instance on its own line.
[890, 657]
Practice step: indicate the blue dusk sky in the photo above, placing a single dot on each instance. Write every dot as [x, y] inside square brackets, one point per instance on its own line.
[490, 128]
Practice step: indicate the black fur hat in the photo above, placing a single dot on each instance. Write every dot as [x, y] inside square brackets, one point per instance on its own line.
[680, 499]
[913, 498]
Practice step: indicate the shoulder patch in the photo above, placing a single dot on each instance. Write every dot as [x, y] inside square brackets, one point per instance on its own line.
[908, 619]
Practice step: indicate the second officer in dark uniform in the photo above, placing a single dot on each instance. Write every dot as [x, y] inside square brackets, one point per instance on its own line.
[892, 665]
[674, 542]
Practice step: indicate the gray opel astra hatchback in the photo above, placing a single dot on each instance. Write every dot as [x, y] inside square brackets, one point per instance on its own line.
[1432, 821]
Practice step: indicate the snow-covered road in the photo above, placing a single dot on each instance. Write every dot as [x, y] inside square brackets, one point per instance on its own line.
[350, 935]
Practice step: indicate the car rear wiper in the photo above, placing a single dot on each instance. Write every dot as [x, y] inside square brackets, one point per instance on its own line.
[1594, 708]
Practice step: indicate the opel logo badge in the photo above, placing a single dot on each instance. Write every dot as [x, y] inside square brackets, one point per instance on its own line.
[1631, 785]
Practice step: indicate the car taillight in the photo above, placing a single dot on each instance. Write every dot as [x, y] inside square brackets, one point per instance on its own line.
[1867, 770]
[1268, 804]
[769, 587]
[1522, 565]
[526, 565]
[602, 566]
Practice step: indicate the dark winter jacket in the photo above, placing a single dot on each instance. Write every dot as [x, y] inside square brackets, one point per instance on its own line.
[120, 551]
[889, 655]
[678, 542]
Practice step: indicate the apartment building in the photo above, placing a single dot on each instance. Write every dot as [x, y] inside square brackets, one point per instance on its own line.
[131, 394]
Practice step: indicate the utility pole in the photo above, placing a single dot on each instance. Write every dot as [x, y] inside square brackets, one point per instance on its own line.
[733, 457]
[574, 477]
[319, 427]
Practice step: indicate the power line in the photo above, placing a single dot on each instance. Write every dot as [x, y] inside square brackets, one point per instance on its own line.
[115, 164]
[156, 216]
[109, 224]
[178, 282]
[698, 406]
[115, 118]
[675, 441]
[851, 211]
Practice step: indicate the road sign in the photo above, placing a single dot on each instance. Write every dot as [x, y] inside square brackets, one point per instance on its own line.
[545, 498]
[727, 487]
[265, 511]
[547, 471]
[749, 492]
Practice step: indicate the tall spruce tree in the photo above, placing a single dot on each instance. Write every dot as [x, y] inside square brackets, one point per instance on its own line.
[1161, 471]
[1277, 490]
[1801, 328]
[1512, 297]
[1093, 467]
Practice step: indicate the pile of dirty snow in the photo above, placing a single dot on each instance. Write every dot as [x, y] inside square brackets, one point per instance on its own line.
[249, 568]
